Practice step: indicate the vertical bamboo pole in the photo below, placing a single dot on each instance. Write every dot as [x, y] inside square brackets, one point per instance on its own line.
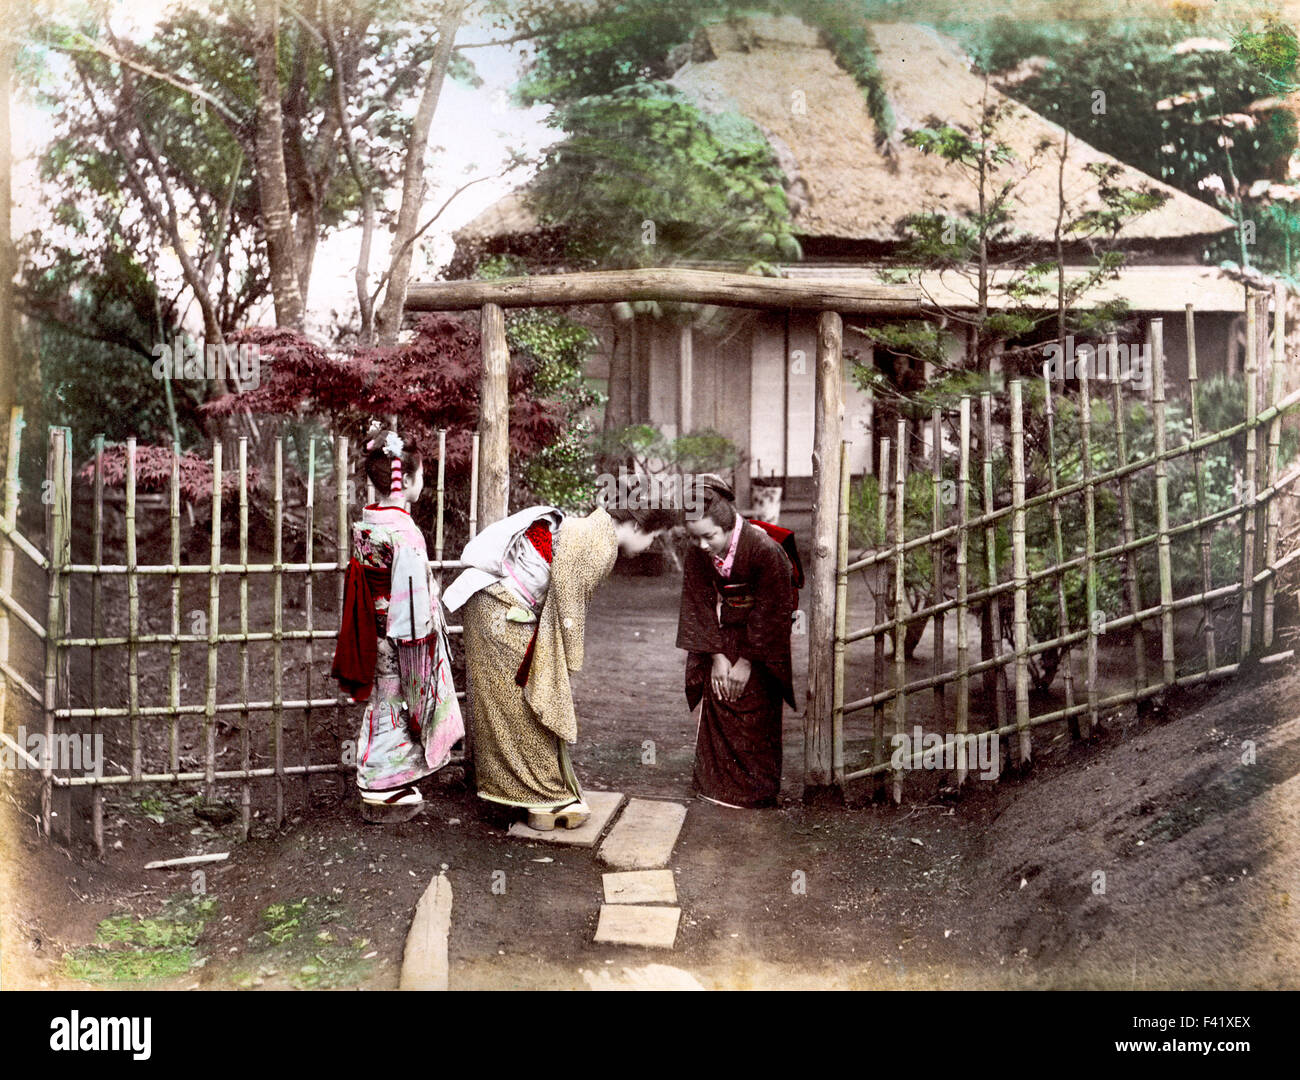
[841, 620]
[828, 427]
[963, 588]
[999, 674]
[245, 749]
[6, 545]
[342, 538]
[132, 619]
[1168, 666]
[900, 597]
[442, 499]
[1090, 541]
[1058, 546]
[936, 557]
[1128, 526]
[878, 608]
[1198, 469]
[343, 550]
[174, 651]
[65, 616]
[54, 620]
[214, 620]
[1248, 490]
[1272, 519]
[277, 629]
[309, 610]
[96, 631]
[473, 487]
[494, 418]
[1020, 574]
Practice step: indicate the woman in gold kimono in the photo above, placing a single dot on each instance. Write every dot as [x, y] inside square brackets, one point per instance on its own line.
[525, 595]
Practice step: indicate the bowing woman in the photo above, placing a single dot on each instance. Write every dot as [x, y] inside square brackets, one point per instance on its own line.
[738, 598]
[525, 595]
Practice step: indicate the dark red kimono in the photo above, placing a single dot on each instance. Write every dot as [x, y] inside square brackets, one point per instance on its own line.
[738, 744]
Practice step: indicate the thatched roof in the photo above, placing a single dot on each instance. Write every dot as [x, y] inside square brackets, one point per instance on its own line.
[844, 182]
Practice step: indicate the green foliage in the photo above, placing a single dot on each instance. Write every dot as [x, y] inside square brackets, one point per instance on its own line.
[557, 350]
[1135, 65]
[647, 178]
[653, 453]
[629, 43]
[563, 474]
[297, 938]
[131, 948]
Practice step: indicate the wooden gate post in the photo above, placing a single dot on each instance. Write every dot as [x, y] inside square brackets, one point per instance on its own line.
[494, 419]
[818, 735]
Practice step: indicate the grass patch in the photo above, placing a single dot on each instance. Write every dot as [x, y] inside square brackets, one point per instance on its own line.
[305, 943]
[134, 948]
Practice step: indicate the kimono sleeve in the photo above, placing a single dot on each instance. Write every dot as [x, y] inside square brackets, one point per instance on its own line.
[767, 631]
[697, 621]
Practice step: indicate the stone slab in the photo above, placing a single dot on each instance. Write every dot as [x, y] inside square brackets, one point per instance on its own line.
[645, 977]
[644, 836]
[604, 805]
[424, 960]
[640, 887]
[634, 924]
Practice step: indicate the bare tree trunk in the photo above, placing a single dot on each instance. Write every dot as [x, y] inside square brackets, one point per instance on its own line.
[364, 301]
[272, 183]
[618, 402]
[413, 185]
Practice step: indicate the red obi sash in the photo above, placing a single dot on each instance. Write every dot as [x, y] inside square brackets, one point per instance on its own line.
[539, 535]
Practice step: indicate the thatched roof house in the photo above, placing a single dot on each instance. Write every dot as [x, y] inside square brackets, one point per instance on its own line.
[848, 185]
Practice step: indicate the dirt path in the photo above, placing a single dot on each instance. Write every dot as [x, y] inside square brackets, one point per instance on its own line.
[997, 889]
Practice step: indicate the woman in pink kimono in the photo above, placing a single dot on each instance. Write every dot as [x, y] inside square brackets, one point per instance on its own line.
[392, 650]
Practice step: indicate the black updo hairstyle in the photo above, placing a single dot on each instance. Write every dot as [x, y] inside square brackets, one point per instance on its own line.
[646, 519]
[714, 499]
[379, 464]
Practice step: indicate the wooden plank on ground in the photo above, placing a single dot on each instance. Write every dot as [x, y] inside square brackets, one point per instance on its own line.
[424, 961]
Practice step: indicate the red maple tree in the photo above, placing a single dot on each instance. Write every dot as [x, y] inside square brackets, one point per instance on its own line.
[428, 383]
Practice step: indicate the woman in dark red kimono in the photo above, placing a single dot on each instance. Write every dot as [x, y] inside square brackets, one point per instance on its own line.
[738, 598]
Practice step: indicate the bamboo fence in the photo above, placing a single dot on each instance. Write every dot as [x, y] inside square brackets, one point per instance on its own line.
[263, 724]
[1010, 717]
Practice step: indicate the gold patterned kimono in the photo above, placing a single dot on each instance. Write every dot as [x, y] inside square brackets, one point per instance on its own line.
[520, 734]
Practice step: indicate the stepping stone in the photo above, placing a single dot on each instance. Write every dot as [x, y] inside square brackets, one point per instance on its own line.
[424, 960]
[631, 924]
[604, 805]
[640, 887]
[644, 836]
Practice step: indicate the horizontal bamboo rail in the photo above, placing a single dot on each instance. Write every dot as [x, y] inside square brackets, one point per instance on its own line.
[222, 698]
[1001, 523]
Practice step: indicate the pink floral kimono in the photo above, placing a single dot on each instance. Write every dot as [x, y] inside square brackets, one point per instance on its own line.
[393, 654]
